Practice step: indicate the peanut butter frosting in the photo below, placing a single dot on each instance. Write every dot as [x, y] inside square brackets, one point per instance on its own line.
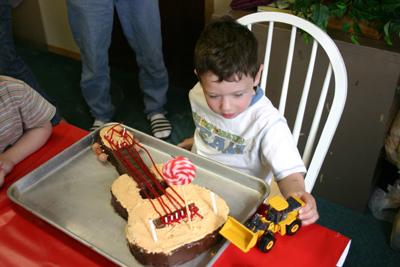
[170, 237]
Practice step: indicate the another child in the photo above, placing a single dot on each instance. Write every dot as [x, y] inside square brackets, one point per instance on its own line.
[235, 122]
[24, 122]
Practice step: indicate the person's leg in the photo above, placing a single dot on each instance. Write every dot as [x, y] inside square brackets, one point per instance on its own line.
[91, 24]
[11, 64]
[140, 21]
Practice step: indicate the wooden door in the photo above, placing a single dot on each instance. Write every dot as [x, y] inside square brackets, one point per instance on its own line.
[181, 22]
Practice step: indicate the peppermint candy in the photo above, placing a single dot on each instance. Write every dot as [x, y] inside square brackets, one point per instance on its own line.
[179, 171]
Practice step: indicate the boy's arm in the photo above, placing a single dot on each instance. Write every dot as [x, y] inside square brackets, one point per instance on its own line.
[2, 175]
[294, 185]
[29, 142]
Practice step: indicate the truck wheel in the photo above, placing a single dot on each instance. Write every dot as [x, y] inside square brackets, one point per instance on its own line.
[292, 228]
[266, 243]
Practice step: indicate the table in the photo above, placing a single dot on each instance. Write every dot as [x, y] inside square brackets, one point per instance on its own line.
[26, 240]
[313, 245]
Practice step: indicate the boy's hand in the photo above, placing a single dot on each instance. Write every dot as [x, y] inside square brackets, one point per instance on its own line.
[308, 214]
[101, 156]
[293, 184]
[187, 143]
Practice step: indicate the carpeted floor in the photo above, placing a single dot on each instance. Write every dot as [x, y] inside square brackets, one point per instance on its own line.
[59, 76]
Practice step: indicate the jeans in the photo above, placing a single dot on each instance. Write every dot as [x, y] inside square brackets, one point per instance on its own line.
[91, 23]
[10, 63]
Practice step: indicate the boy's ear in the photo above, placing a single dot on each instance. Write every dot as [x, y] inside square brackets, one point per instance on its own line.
[257, 79]
[198, 77]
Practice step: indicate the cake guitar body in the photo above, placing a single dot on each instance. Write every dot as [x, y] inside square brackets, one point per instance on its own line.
[176, 243]
[181, 233]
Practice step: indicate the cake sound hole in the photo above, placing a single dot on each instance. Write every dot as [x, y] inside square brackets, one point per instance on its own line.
[146, 192]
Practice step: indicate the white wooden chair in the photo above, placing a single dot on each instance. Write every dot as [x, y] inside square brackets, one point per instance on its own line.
[329, 60]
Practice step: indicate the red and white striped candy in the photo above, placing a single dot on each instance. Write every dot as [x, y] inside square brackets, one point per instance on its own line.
[179, 171]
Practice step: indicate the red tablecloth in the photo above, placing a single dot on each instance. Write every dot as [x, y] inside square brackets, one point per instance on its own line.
[313, 245]
[26, 240]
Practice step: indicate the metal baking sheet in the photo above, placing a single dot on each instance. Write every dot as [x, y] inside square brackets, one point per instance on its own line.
[72, 192]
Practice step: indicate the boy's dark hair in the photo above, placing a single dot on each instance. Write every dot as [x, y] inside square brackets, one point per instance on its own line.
[227, 49]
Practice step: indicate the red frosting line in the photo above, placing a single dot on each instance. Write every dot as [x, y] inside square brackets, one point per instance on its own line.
[129, 144]
[139, 175]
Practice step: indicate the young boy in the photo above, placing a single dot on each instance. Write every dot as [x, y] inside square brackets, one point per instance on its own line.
[235, 123]
[24, 123]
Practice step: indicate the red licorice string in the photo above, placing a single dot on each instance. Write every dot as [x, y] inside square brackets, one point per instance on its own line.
[140, 162]
[139, 175]
[142, 172]
[148, 154]
[136, 172]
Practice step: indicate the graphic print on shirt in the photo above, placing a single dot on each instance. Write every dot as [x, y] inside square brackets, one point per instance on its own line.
[218, 139]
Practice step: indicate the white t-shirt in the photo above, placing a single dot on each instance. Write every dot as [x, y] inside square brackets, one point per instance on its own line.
[255, 142]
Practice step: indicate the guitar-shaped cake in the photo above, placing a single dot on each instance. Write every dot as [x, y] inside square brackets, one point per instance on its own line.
[166, 224]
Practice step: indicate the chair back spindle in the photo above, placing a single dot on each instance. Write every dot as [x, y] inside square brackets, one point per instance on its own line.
[318, 132]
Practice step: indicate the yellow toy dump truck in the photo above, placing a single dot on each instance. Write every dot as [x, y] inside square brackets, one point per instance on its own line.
[280, 216]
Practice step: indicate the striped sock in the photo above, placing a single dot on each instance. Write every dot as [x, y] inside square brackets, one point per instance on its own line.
[96, 125]
[160, 126]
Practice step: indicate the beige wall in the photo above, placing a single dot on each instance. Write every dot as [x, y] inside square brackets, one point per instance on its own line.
[221, 6]
[213, 7]
[56, 27]
[45, 22]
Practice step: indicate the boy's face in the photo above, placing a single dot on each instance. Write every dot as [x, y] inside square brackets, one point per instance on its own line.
[228, 98]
